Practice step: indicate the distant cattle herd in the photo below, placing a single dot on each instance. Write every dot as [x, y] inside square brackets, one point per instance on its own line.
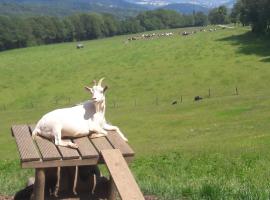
[150, 36]
[146, 36]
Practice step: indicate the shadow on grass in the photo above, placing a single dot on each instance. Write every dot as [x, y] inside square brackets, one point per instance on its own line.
[251, 44]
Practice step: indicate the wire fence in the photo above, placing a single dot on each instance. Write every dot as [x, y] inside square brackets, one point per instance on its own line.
[155, 100]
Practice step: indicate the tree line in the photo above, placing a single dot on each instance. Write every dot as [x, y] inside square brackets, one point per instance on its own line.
[253, 13]
[17, 32]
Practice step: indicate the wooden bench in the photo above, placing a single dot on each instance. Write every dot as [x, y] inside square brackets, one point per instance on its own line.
[42, 154]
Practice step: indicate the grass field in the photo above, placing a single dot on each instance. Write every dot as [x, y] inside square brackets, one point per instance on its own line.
[217, 148]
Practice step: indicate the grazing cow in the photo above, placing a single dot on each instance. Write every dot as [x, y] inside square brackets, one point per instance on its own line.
[174, 102]
[185, 33]
[80, 46]
[198, 98]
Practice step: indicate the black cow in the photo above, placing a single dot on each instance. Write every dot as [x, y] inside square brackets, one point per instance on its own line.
[198, 98]
[174, 102]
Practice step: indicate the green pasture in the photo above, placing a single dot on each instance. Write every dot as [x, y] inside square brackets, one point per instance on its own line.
[217, 148]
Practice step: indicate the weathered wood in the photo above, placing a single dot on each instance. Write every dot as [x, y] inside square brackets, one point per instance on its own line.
[26, 146]
[118, 143]
[101, 143]
[86, 148]
[60, 163]
[39, 186]
[122, 176]
[46, 147]
[67, 152]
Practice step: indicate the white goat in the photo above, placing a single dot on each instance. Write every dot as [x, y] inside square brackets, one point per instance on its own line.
[77, 121]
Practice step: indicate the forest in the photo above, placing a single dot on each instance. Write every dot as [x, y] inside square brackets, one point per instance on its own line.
[18, 32]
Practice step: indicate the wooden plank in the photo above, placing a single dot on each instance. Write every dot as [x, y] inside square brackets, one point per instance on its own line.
[118, 143]
[122, 177]
[25, 144]
[86, 148]
[46, 147]
[60, 163]
[66, 163]
[67, 152]
[101, 143]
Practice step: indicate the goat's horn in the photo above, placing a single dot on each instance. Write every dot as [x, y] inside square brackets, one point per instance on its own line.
[95, 82]
[100, 81]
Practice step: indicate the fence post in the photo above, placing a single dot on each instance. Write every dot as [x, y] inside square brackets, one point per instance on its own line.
[181, 98]
[56, 100]
[236, 91]
[209, 93]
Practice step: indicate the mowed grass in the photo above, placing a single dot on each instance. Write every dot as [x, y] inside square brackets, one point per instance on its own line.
[214, 149]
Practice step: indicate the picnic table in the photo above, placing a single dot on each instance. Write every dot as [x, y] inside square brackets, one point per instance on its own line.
[42, 155]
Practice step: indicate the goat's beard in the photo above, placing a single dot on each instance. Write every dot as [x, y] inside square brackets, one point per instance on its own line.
[100, 105]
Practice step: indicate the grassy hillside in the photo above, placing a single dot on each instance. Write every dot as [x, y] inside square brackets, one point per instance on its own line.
[213, 149]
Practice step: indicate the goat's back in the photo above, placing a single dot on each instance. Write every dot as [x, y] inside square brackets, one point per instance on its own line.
[70, 121]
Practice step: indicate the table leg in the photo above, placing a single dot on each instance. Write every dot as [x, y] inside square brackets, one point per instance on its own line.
[112, 190]
[39, 186]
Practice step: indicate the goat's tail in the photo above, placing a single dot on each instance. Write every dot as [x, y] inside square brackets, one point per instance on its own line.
[35, 133]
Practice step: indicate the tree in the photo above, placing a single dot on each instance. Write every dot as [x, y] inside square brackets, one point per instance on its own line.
[200, 19]
[59, 29]
[163, 19]
[79, 32]
[150, 20]
[6, 35]
[255, 13]
[218, 15]
[131, 25]
[111, 25]
[236, 12]
[68, 30]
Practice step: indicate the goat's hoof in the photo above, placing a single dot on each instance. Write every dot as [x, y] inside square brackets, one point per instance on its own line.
[73, 145]
[105, 133]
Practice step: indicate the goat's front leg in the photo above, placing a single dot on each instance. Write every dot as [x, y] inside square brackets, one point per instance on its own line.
[109, 127]
[59, 142]
[100, 132]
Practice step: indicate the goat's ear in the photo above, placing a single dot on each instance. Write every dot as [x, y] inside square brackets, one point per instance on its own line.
[105, 88]
[88, 89]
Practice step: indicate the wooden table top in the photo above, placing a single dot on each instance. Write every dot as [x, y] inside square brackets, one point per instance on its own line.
[43, 153]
